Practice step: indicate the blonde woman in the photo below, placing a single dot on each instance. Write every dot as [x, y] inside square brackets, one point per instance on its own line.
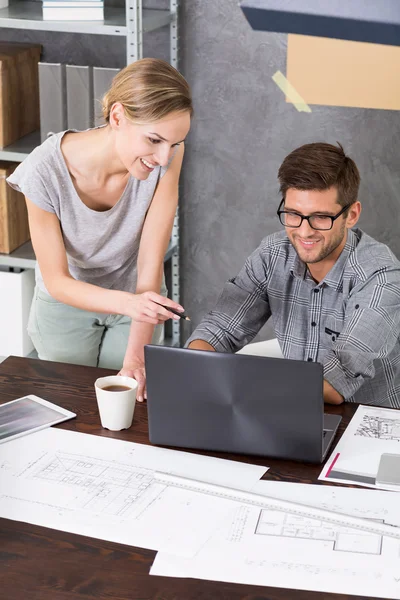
[101, 205]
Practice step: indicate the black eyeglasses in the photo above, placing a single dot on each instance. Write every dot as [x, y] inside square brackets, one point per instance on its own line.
[319, 222]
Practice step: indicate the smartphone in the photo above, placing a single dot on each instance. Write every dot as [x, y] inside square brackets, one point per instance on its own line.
[28, 414]
[388, 475]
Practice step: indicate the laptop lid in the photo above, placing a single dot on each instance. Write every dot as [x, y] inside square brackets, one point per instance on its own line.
[235, 403]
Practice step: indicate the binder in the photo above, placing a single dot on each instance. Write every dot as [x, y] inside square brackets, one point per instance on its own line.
[52, 99]
[102, 79]
[79, 97]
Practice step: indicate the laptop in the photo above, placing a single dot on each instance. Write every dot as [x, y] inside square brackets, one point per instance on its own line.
[237, 403]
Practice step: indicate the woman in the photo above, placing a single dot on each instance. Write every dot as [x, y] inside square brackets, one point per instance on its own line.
[101, 206]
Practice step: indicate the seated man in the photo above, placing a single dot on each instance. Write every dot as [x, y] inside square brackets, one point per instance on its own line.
[333, 293]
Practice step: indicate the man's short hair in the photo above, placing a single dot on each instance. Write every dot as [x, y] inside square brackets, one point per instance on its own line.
[320, 166]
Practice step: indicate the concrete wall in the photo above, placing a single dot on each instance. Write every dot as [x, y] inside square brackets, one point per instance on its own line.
[242, 130]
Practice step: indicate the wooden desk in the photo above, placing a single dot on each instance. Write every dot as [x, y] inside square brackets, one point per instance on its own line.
[43, 564]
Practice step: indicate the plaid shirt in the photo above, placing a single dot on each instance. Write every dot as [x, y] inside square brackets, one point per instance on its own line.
[349, 322]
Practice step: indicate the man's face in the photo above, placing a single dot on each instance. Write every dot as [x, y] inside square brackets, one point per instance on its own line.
[313, 245]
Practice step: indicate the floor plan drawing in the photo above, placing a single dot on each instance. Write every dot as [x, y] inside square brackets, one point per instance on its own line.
[379, 427]
[109, 487]
[277, 548]
[372, 432]
[275, 523]
[106, 488]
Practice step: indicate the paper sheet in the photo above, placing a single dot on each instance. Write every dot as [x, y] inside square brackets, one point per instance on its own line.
[334, 72]
[260, 547]
[371, 432]
[104, 488]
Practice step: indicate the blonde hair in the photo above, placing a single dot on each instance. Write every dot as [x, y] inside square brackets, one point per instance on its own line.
[148, 89]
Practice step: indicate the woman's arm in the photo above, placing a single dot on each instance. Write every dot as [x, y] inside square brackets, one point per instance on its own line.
[50, 252]
[153, 246]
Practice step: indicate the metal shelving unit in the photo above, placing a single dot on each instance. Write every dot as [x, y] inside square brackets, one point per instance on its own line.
[28, 15]
[20, 149]
[130, 22]
[24, 256]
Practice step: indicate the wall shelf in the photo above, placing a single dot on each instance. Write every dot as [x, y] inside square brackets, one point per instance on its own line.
[20, 149]
[130, 22]
[28, 16]
[24, 256]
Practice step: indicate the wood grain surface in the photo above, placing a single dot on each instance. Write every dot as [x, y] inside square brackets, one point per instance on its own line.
[37, 563]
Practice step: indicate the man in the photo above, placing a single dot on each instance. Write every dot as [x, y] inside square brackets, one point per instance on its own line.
[333, 293]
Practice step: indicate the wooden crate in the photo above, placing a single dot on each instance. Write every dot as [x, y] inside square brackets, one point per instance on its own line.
[14, 227]
[19, 91]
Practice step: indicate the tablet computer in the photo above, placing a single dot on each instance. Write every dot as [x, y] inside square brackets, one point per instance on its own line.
[388, 476]
[28, 414]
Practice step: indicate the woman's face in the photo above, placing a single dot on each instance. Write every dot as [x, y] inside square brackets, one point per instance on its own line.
[141, 148]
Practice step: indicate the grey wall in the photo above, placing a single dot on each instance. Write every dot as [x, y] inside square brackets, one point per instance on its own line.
[242, 130]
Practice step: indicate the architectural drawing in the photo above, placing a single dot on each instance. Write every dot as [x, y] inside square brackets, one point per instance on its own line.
[343, 539]
[109, 487]
[372, 431]
[299, 568]
[379, 427]
[276, 548]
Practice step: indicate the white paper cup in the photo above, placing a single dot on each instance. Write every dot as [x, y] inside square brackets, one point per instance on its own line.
[116, 408]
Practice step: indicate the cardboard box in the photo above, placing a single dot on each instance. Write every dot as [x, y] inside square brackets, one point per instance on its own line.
[19, 91]
[14, 226]
[343, 73]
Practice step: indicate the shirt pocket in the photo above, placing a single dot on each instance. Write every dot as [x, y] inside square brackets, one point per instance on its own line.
[330, 332]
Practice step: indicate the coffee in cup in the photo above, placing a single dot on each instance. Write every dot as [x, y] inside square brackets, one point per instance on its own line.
[116, 398]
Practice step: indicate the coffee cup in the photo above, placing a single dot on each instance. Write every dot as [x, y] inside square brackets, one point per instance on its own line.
[116, 398]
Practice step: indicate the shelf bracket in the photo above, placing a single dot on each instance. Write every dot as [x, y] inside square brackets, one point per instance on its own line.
[134, 35]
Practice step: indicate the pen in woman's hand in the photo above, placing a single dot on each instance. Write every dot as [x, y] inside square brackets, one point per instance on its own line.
[176, 312]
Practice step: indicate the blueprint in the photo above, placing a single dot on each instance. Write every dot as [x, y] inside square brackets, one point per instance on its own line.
[372, 431]
[105, 488]
[267, 547]
[342, 539]
[379, 427]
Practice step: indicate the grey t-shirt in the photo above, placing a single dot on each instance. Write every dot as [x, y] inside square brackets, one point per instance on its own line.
[102, 247]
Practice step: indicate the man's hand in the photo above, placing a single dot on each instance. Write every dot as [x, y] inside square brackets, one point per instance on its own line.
[136, 370]
[200, 345]
[331, 396]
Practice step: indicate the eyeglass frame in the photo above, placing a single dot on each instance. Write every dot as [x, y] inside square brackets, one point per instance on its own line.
[333, 218]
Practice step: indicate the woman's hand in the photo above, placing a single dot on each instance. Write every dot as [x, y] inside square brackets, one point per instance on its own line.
[136, 370]
[148, 307]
